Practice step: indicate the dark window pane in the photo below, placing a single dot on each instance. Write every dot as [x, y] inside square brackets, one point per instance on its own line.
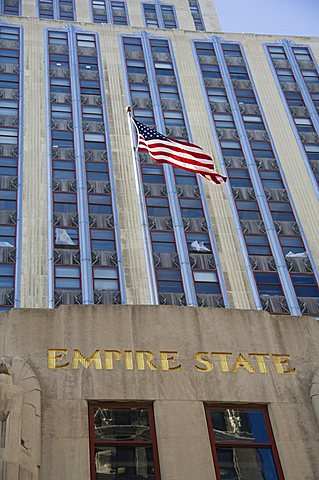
[121, 424]
[252, 463]
[239, 425]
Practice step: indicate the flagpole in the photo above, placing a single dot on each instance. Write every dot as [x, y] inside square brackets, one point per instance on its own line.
[143, 215]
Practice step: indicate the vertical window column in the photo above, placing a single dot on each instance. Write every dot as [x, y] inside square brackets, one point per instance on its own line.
[57, 9]
[250, 226]
[300, 266]
[10, 165]
[298, 81]
[161, 241]
[105, 251]
[87, 254]
[196, 14]
[67, 260]
[279, 209]
[199, 252]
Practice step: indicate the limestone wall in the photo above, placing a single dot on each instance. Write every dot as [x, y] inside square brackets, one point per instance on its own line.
[178, 396]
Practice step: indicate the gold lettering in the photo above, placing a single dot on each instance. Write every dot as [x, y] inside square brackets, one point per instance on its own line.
[223, 360]
[208, 365]
[242, 362]
[166, 357]
[128, 360]
[141, 361]
[260, 361]
[108, 358]
[281, 361]
[86, 362]
[56, 354]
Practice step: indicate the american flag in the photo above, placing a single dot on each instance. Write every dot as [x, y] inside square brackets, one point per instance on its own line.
[186, 156]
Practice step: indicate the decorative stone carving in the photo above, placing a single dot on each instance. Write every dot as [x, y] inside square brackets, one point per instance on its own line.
[20, 412]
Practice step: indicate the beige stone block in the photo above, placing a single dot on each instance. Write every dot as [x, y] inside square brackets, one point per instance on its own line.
[181, 458]
[63, 458]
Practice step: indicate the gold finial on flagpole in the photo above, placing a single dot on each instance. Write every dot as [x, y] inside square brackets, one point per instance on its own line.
[128, 109]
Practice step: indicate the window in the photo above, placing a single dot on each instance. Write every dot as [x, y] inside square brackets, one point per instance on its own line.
[61, 111]
[136, 66]
[196, 14]
[6, 275]
[310, 76]
[100, 204]
[231, 50]
[119, 13]
[173, 119]
[65, 202]
[105, 278]
[245, 96]
[217, 95]
[198, 242]
[168, 92]
[160, 46]
[168, 15]
[163, 242]
[162, 68]
[294, 99]
[302, 53]
[140, 90]
[66, 237]
[239, 177]
[242, 443]
[205, 48]
[7, 236]
[123, 442]
[8, 166]
[285, 75]
[257, 245]
[9, 108]
[224, 120]
[152, 174]
[150, 15]
[305, 284]
[268, 283]
[211, 71]
[9, 80]
[262, 149]
[248, 210]
[11, 7]
[67, 277]
[281, 211]
[304, 125]
[103, 240]
[292, 244]
[239, 73]
[169, 280]
[253, 122]
[191, 208]
[157, 206]
[206, 282]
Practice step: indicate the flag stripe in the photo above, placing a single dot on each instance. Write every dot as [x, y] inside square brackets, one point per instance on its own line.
[176, 155]
[161, 145]
[178, 145]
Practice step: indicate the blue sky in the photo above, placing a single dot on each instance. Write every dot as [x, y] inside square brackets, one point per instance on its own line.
[290, 17]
